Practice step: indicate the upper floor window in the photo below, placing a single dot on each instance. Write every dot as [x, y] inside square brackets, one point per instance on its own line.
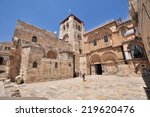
[80, 51]
[35, 65]
[64, 28]
[94, 42]
[123, 31]
[79, 36]
[34, 39]
[79, 28]
[66, 37]
[67, 25]
[106, 38]
[56, 65]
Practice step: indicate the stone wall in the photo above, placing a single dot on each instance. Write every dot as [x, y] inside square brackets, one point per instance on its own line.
[15, 62]
[144, 24]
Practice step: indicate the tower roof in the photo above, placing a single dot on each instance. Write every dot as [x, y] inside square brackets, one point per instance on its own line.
[76, 18]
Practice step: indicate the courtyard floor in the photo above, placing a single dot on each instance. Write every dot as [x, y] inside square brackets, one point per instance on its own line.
[94, 88]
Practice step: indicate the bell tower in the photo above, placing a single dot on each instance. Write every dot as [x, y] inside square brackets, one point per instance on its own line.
[72, 30]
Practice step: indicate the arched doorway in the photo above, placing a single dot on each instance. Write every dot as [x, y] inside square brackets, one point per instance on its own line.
[110, 62]
[96, 67]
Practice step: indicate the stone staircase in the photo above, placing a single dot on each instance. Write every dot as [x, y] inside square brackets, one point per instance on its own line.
[8, 89]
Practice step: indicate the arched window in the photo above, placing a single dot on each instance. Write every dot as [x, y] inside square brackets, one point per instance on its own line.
[6, 48]
[106, 38]
[56, 64]
[51, 55]
[94, 42]
[64, 27]
[137, 51]
[67, 25]
[123, 31]
[66, 36]
[34, 39]
[79, 28]
[35, 64]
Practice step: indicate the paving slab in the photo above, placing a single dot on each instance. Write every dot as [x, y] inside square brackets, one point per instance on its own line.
[94, 88]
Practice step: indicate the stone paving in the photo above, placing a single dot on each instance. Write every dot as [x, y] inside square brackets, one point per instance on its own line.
[94, 88]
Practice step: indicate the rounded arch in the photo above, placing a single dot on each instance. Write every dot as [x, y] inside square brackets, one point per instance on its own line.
[66, 36]
[135, 43]
[92, 37]
[109, 57]
[103, 32]
[122, 30]
[137, 50]
[35, 64]
[51, 54]
[95, 59]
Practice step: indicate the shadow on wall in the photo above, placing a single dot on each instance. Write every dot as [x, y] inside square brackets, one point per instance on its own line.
[146, 78]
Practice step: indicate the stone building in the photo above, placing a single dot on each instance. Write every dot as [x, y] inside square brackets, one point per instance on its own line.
[71, 31]
[40, 54]
[112, 48]
[4, 59]
[140, 14]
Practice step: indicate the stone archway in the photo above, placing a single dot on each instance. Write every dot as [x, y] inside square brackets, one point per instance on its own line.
[110, 62]
[51, 55]
[96, 67]
[137, 50]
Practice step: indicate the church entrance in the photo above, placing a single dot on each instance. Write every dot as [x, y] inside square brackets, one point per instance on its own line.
[98, 69]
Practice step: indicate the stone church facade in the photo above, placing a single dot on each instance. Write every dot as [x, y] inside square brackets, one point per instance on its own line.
[38, 55]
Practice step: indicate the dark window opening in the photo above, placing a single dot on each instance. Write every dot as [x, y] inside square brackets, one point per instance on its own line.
[94, 42]
[19, 41]
[6, 48]
[123, 31]
[1, 60]
[137, 51]
[34, 39]
[56, 65]
[79, 36]
[79, 28]
[9, 48]
[106, 37]
[67, 25]
[64, 27]
[80, 51]
[35, 65]
[69, 64]
[66, 36]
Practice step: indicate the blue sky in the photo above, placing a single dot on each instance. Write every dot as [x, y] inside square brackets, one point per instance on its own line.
[47, 14]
